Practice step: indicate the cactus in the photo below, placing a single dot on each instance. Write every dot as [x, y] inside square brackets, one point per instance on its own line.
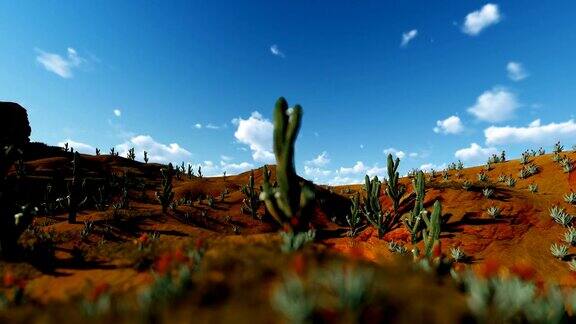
[200, 171]
[354, 218]
[372, 209]
[394, 190]
[251, 201]
[166, 196]
[413, 220]
[75, 190]
[431, 234]
[558, 148]
[97, 151]
[131, 155]
[290, 200]
[145, 157]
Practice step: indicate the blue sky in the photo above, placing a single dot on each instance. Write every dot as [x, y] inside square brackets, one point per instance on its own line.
[195, 81]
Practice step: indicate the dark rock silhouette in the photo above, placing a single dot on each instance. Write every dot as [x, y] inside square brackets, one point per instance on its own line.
[14, 126]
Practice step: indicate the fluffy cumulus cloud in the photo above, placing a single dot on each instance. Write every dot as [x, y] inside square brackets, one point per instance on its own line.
[516, 71]
[432, 166]
[535, 132]
[408, 36]
[235, 168]
[62, 66]
[78, 146]
[359, 168]
[475, 153]
[321, 160]
[450, 125]
[275, 50]
[495, 105]
[256, 132]
[157, 152]
[478, 20]
[117, 112]
[399, 154]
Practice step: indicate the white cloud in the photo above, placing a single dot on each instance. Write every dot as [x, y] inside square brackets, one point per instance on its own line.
[516, 71]
[256, 132]
[432, 166]
[495, 105]
[338, 180]
[78, 146]
[235, 168]
[226, 158]
[321, 160]
[534, 133]
[360, 168]
[157, 152]
[62, 66]
[275, 50]
[198, 126]
[450, 125]
[475, 153]
[210, 126]
[395, 152]
[413, 155]
[408, 36]
[316, 173]
[477, 20]
[117, 112]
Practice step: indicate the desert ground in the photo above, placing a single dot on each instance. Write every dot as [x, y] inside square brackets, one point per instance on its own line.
[205, 257]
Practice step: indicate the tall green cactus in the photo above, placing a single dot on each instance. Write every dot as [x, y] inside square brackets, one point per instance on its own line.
[145, 157]
[131, 154]
[372, 209]
[251, 201]
[288, 202]
[166, 196]
[413, 220]
[394, 190]
[354, 219]
[432, 232]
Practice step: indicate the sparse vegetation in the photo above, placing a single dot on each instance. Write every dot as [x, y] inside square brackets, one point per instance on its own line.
[166, 195]
[494, 211]
[559, 251]
[457, 254]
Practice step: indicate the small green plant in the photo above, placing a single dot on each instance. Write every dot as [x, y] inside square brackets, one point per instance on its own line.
[570, 198]
[488, 193]
[414, 218]
[457, 254]
[294, 241]
[511, 182]
[558, 148]
[210, 201]
[166, 196]
[431, 233]
[502, 178]
[533, 187]
[572, 265]
[559, 251]
[395, 247]
[560, 216]
[131, 155]
[372, 209]
[251, 201]
[494, 211]
[293, 300]
[394, 189]
[482, 176]
[75, 191]
[467, 185]
[354, 218]
[570, 236]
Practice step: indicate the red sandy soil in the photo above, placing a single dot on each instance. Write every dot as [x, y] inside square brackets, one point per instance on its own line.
[523, 233]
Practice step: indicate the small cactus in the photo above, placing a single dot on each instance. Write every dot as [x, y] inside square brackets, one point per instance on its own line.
[533, 187]
[559, 251]
[131, 155]
[251, 201]
[166, 196]
[354, 217]
[494, 211]
[145, 157]
[457, 254]
[394, 190]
